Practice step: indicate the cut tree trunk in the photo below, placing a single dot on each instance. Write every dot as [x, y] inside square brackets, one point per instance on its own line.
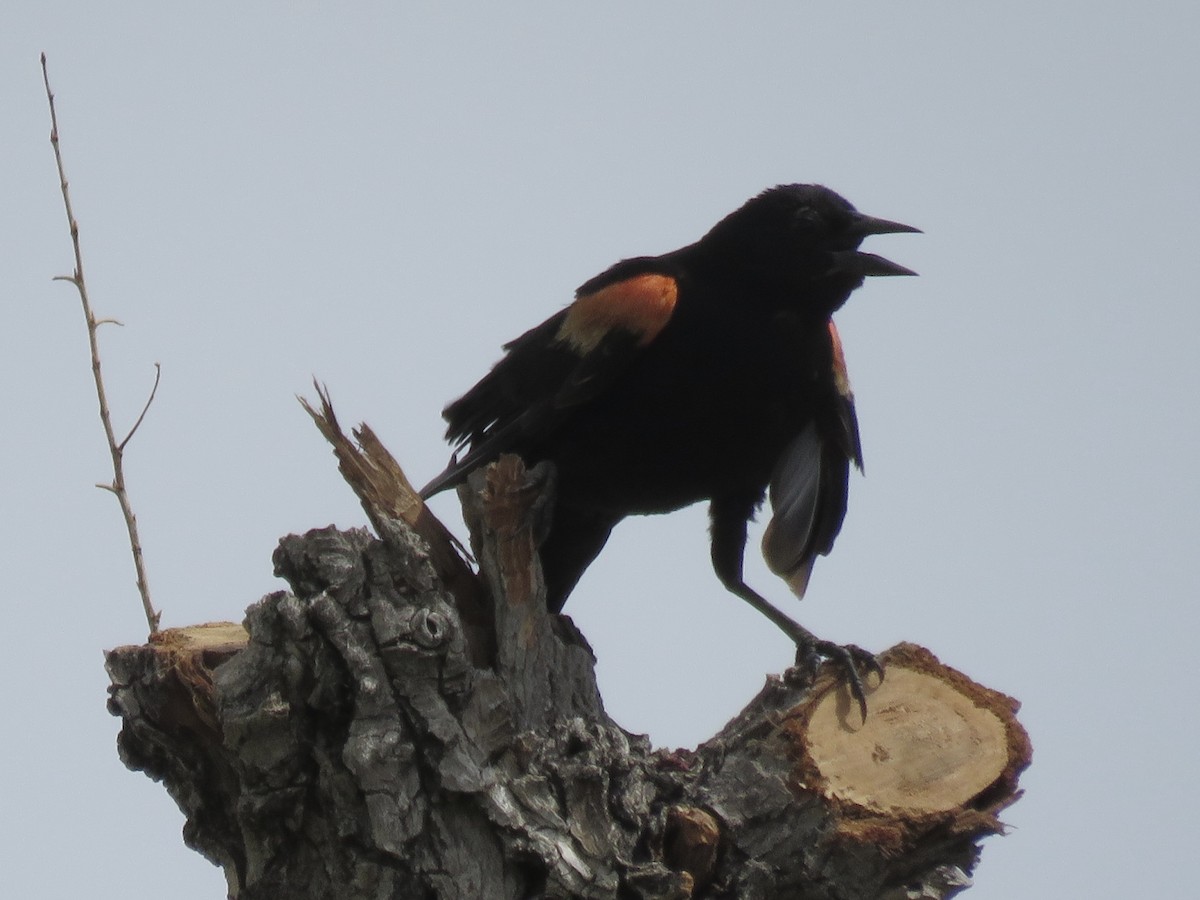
[395, 726]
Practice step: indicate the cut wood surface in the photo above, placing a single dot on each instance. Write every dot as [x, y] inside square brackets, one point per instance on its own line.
[934, 740]
[358, 738]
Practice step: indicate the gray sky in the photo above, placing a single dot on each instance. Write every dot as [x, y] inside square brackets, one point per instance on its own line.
[380, 195]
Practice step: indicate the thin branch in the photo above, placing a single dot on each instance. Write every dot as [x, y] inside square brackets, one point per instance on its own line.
[117, 486]
[145, 409]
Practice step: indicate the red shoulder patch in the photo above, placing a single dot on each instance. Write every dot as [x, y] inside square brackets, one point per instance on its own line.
[641, 305]
[841, 377]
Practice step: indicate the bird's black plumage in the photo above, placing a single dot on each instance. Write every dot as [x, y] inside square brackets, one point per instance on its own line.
[712, 372]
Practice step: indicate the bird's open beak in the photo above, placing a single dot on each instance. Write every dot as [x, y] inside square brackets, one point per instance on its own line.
[864, 225]
[855, 262]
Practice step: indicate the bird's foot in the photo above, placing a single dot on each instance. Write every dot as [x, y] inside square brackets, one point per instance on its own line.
[810, 650]
[853, 661]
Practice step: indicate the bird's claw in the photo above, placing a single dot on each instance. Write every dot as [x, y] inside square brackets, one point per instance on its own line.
[853, 660]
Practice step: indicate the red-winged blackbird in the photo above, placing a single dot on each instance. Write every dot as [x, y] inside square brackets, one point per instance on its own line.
[713, 372]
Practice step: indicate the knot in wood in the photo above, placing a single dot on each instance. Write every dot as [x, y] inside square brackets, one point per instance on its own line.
[426, 628]
[430, 629]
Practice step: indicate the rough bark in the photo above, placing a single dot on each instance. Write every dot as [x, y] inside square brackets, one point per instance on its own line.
[359, 739]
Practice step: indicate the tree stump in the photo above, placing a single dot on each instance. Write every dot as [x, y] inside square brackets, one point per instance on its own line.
[394, 726]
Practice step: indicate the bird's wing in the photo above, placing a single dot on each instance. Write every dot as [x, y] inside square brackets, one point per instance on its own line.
[558, 366]
[810, 483]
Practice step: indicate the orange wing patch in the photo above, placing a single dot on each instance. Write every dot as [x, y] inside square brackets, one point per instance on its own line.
[841, 377]
[641, 305]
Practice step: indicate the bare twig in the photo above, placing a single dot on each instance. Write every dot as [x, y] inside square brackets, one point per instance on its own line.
[117, 486]
[145, 409]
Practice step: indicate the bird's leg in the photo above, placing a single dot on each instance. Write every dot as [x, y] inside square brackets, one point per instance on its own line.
[543, 478]
[728, 554]
[574, 541]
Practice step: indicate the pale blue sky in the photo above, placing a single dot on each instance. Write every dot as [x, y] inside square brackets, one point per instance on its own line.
[381, 194]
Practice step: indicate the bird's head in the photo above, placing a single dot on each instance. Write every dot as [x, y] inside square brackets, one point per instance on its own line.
[803, 239]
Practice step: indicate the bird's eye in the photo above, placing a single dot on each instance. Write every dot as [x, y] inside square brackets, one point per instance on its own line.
[805, 218]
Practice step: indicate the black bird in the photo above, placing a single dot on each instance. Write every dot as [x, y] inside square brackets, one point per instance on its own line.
[713, 372]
